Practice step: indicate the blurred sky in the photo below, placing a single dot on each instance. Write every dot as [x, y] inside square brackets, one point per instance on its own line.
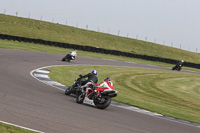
[170, 22]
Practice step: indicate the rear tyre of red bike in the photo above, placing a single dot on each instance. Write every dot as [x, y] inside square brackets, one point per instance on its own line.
[104, 103]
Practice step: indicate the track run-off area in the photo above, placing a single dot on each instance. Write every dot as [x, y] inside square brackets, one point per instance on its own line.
[32, 104]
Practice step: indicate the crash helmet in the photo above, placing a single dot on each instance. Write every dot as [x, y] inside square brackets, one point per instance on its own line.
[107, 79]
[94, 72]
[182, 60]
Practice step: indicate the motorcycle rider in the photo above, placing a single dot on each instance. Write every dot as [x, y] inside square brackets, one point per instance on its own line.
[180, 63]
[106, 85]
[91, 77]
[72, 55]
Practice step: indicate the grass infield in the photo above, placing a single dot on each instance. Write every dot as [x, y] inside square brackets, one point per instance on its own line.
[169, 93]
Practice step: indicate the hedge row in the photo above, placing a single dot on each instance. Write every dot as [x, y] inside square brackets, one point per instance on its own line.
[94, 49]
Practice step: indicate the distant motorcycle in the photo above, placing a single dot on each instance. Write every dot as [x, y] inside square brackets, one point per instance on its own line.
[70, 56]
[101, 101]
[177, 67]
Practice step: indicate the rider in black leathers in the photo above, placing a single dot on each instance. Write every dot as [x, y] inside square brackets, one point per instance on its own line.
[180, 63]
[178, 66]
[91, 77]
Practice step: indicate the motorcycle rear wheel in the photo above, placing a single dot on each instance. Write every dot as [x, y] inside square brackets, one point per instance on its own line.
[104, 103]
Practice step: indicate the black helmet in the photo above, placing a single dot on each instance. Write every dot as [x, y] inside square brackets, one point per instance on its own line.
[107, 79]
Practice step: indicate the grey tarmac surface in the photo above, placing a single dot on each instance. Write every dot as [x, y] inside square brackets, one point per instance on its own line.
[27, 102]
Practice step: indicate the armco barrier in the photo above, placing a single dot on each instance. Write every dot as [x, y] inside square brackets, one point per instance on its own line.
[97, 50]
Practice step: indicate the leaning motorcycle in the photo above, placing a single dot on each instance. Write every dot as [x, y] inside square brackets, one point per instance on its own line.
[75, 88]
[70, 56]
[101, 101]
[177, 67]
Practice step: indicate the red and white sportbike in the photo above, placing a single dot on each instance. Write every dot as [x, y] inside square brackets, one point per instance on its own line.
[100, 99]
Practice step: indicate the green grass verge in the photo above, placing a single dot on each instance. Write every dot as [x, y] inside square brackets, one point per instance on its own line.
[5, 128]
[30, 28]
[169, 93]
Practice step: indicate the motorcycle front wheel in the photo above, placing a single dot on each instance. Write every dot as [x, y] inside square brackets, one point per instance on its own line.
[64, 59]
[80, 98]
[103, 103]
[68, 91]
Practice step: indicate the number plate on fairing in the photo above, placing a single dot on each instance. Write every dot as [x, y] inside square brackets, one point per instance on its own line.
[88, 101]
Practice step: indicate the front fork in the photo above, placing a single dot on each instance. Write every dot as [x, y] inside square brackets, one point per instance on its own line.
[89, 93]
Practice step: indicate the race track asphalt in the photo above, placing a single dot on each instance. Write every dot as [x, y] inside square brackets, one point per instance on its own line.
[27, 102]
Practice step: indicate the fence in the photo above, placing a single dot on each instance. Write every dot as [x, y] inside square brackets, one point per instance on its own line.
[94, 49]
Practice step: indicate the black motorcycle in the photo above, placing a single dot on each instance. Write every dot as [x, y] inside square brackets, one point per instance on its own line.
[101, 101]
[75, 88]
[70, 56]
[177, 67]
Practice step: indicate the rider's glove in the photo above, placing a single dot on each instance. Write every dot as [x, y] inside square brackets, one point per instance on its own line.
[81, 75]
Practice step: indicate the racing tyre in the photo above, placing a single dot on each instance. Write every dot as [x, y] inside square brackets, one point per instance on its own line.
[64, 59]
[80, 98]
[68, 91]
[104, 103]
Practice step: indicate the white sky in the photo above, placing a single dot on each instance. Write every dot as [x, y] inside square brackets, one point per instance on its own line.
[170, 22]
